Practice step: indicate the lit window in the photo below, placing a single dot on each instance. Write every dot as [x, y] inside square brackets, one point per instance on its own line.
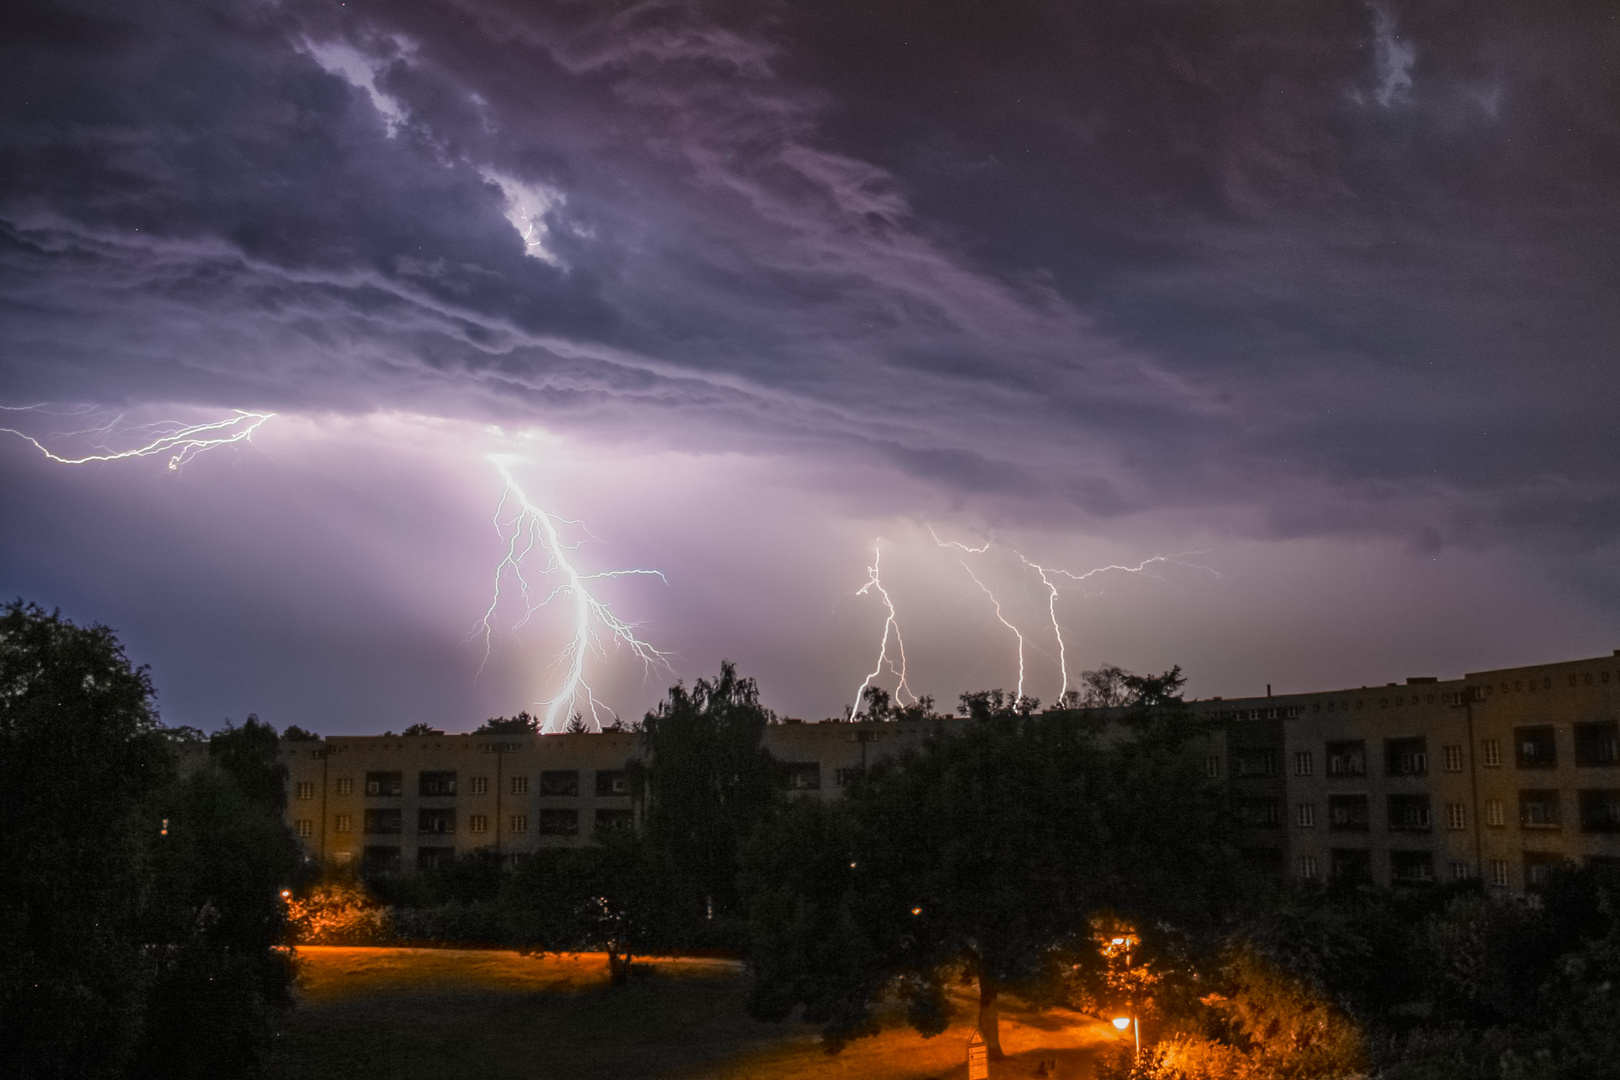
[1456, 816]
[1307, 867]
[520, 785]
[1490, 752]
[1493, 812]
[520, 823]
[1452, 757]
[1305, 815]
[479, 785]
[345, 786]
[343, 823]
[306, 789]
[305, 827]
[1499, 872]
[478, 823]
[1302, 763]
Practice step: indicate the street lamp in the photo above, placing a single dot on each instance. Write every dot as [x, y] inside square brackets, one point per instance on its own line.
[1123, 1022]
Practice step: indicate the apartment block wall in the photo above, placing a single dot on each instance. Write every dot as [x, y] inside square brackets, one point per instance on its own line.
[1497, 775]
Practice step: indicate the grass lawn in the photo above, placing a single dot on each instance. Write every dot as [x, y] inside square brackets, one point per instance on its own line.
[444, 1014]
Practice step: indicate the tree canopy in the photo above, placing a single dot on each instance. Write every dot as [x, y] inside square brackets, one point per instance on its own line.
[982, 855]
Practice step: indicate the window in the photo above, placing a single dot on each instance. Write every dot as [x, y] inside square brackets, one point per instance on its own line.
[1600, 810]
[518, 823]
[478, 823]
[801, 775]
[1451, 758]
[304, 827]
[846, 777]
[612, 782]
[429, 857]
[1456, 815]
[1538, 809]
[1347, 813]
[1490, 753]
[1406, 757]
[306, 789]
[1347, 758]
[1493, 812]
[384, 821]
[380, 859]
[1305, 815]
[385, 784]
[1499, 872]
[520, 785]
[436, 784]
[1461, 871]
[559, 783]
[1255, 762]
[1302, 763]
[1597, 744]
[478, 785]
[1261, 813]
[436, 822]
[1538, 868]
[345, 785]
[343, 823]
[559, 823]
[1307, 867]
[1408, 813]
[1212, 766]
[1351, 864]
[615, 821]
[1411, 867]
[1535, 747]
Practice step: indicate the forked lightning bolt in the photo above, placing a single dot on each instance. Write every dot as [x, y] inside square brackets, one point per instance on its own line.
[528, 531]
[182, 441]
[874, 581]
[965, 551]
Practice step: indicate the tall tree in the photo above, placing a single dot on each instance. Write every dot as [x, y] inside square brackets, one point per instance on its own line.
[80, 759]
[710, 780]
[981, 855]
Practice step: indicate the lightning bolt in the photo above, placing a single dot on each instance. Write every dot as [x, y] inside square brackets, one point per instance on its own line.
[528, 530]
[182, 441]
[874, 581]
[965, 551]
[1051, 610]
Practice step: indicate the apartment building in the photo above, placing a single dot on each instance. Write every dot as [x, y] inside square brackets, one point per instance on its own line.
[1499, 775]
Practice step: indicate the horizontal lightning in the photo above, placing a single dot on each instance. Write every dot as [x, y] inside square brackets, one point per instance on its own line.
[182, 443]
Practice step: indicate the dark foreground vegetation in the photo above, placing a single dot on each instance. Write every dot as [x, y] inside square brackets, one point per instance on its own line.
[1072, 856]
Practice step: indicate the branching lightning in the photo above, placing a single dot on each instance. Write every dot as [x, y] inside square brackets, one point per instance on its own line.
[1048, 576]
[182, 441]
[891, 624]
[965, 551]
[528, 530]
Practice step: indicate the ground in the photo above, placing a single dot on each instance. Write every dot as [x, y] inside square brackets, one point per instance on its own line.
[404, 1014]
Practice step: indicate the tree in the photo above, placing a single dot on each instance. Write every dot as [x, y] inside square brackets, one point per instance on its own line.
[422, 729]
[710, 781]
[610, 897]
[294, 733]
[80, 759]
[521, 724]
[252, 754]
[981, 855]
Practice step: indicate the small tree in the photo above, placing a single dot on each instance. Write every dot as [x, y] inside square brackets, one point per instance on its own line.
[521, 724]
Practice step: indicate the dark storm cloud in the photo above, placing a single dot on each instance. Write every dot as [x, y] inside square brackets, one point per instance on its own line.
[1300, 269]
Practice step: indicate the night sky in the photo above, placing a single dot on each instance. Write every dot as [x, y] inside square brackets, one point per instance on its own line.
[1315, 304]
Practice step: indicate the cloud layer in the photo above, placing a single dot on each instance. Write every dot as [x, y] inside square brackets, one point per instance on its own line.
[1143, 276]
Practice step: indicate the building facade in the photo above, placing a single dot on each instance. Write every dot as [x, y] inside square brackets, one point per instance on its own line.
[1499, 775]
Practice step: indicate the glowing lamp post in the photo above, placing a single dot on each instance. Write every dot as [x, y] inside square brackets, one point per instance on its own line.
[1123, 1022]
